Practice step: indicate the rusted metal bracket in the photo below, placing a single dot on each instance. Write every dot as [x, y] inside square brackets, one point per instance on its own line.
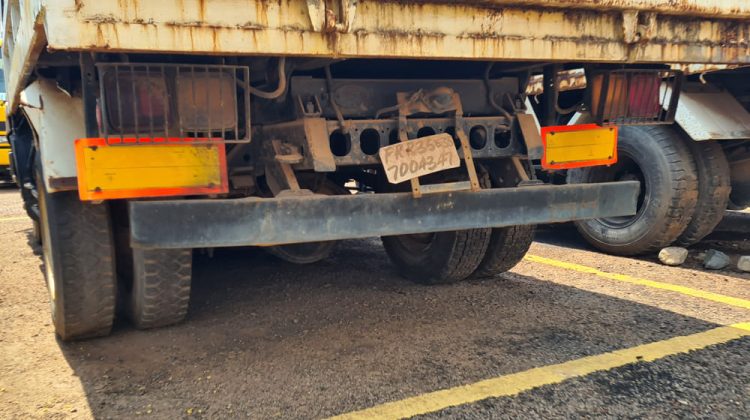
[279, 173]
[529, 127]
[530, 131]
[520, 169]
[309, 107]
[464, 139]
[316, 9]
[402, 136]
[316, 134]
[326, 20]
[638, 27]
[348, 12]
[318, 147]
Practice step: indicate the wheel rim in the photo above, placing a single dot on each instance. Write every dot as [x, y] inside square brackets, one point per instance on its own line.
[47, 247]
[626, 169]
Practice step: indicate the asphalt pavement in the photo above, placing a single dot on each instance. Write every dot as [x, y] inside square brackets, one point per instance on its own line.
[569, 333]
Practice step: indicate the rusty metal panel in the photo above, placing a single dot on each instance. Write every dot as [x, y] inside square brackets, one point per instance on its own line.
[572, 31]
[657, 31]
[739, 9]
[23, 41]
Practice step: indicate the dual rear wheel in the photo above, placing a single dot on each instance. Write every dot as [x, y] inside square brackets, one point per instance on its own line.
[78, 250]
[685, 188]
[80, 253]
[449, 257]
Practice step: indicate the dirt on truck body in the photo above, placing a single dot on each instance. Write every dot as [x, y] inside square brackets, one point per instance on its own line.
[144, 130]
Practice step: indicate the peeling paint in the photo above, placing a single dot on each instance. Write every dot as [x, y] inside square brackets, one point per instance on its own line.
[677, 31]
[737, 9]
[519, 30]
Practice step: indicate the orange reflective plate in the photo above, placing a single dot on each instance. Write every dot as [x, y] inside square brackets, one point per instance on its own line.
[577, 146]
[155, 168]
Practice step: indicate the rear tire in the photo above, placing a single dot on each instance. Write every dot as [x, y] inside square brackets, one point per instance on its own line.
[713, 190]
[36, 233]
[438, 258]
[303, 253]
[310, 252]
[660, 160]
[161, 286]
[735, 207]
[79, 264]
[506, 249]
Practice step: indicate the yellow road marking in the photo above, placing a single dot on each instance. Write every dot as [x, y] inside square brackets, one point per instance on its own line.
[516, 383]
[727, 300]
[11, 219]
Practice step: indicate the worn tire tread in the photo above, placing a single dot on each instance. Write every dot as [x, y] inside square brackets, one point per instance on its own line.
[682, 199]
[161, 287]
[506, 249]
[468, 252]
[84, 266]
[467, 249]
[714, 188]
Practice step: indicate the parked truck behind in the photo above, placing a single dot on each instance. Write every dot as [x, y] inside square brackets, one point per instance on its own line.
[6, 176]
[696, 168]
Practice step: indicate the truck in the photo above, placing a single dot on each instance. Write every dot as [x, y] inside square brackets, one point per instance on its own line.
[6, 176]
[701, 167]
[142, 131]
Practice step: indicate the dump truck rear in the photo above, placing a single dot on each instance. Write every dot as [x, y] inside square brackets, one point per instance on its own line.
[144, 130]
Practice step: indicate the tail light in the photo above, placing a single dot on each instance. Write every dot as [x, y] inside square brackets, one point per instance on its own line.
[174, 100]
[135, 100]
[206, 101]
[634, 97]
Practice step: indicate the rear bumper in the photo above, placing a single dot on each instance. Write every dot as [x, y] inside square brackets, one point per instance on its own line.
[242, 222]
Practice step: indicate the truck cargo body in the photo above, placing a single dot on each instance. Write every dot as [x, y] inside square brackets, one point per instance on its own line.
[147, 129]
[656, 31]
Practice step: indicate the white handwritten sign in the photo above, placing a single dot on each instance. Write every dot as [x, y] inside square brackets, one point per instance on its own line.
[414, 158]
